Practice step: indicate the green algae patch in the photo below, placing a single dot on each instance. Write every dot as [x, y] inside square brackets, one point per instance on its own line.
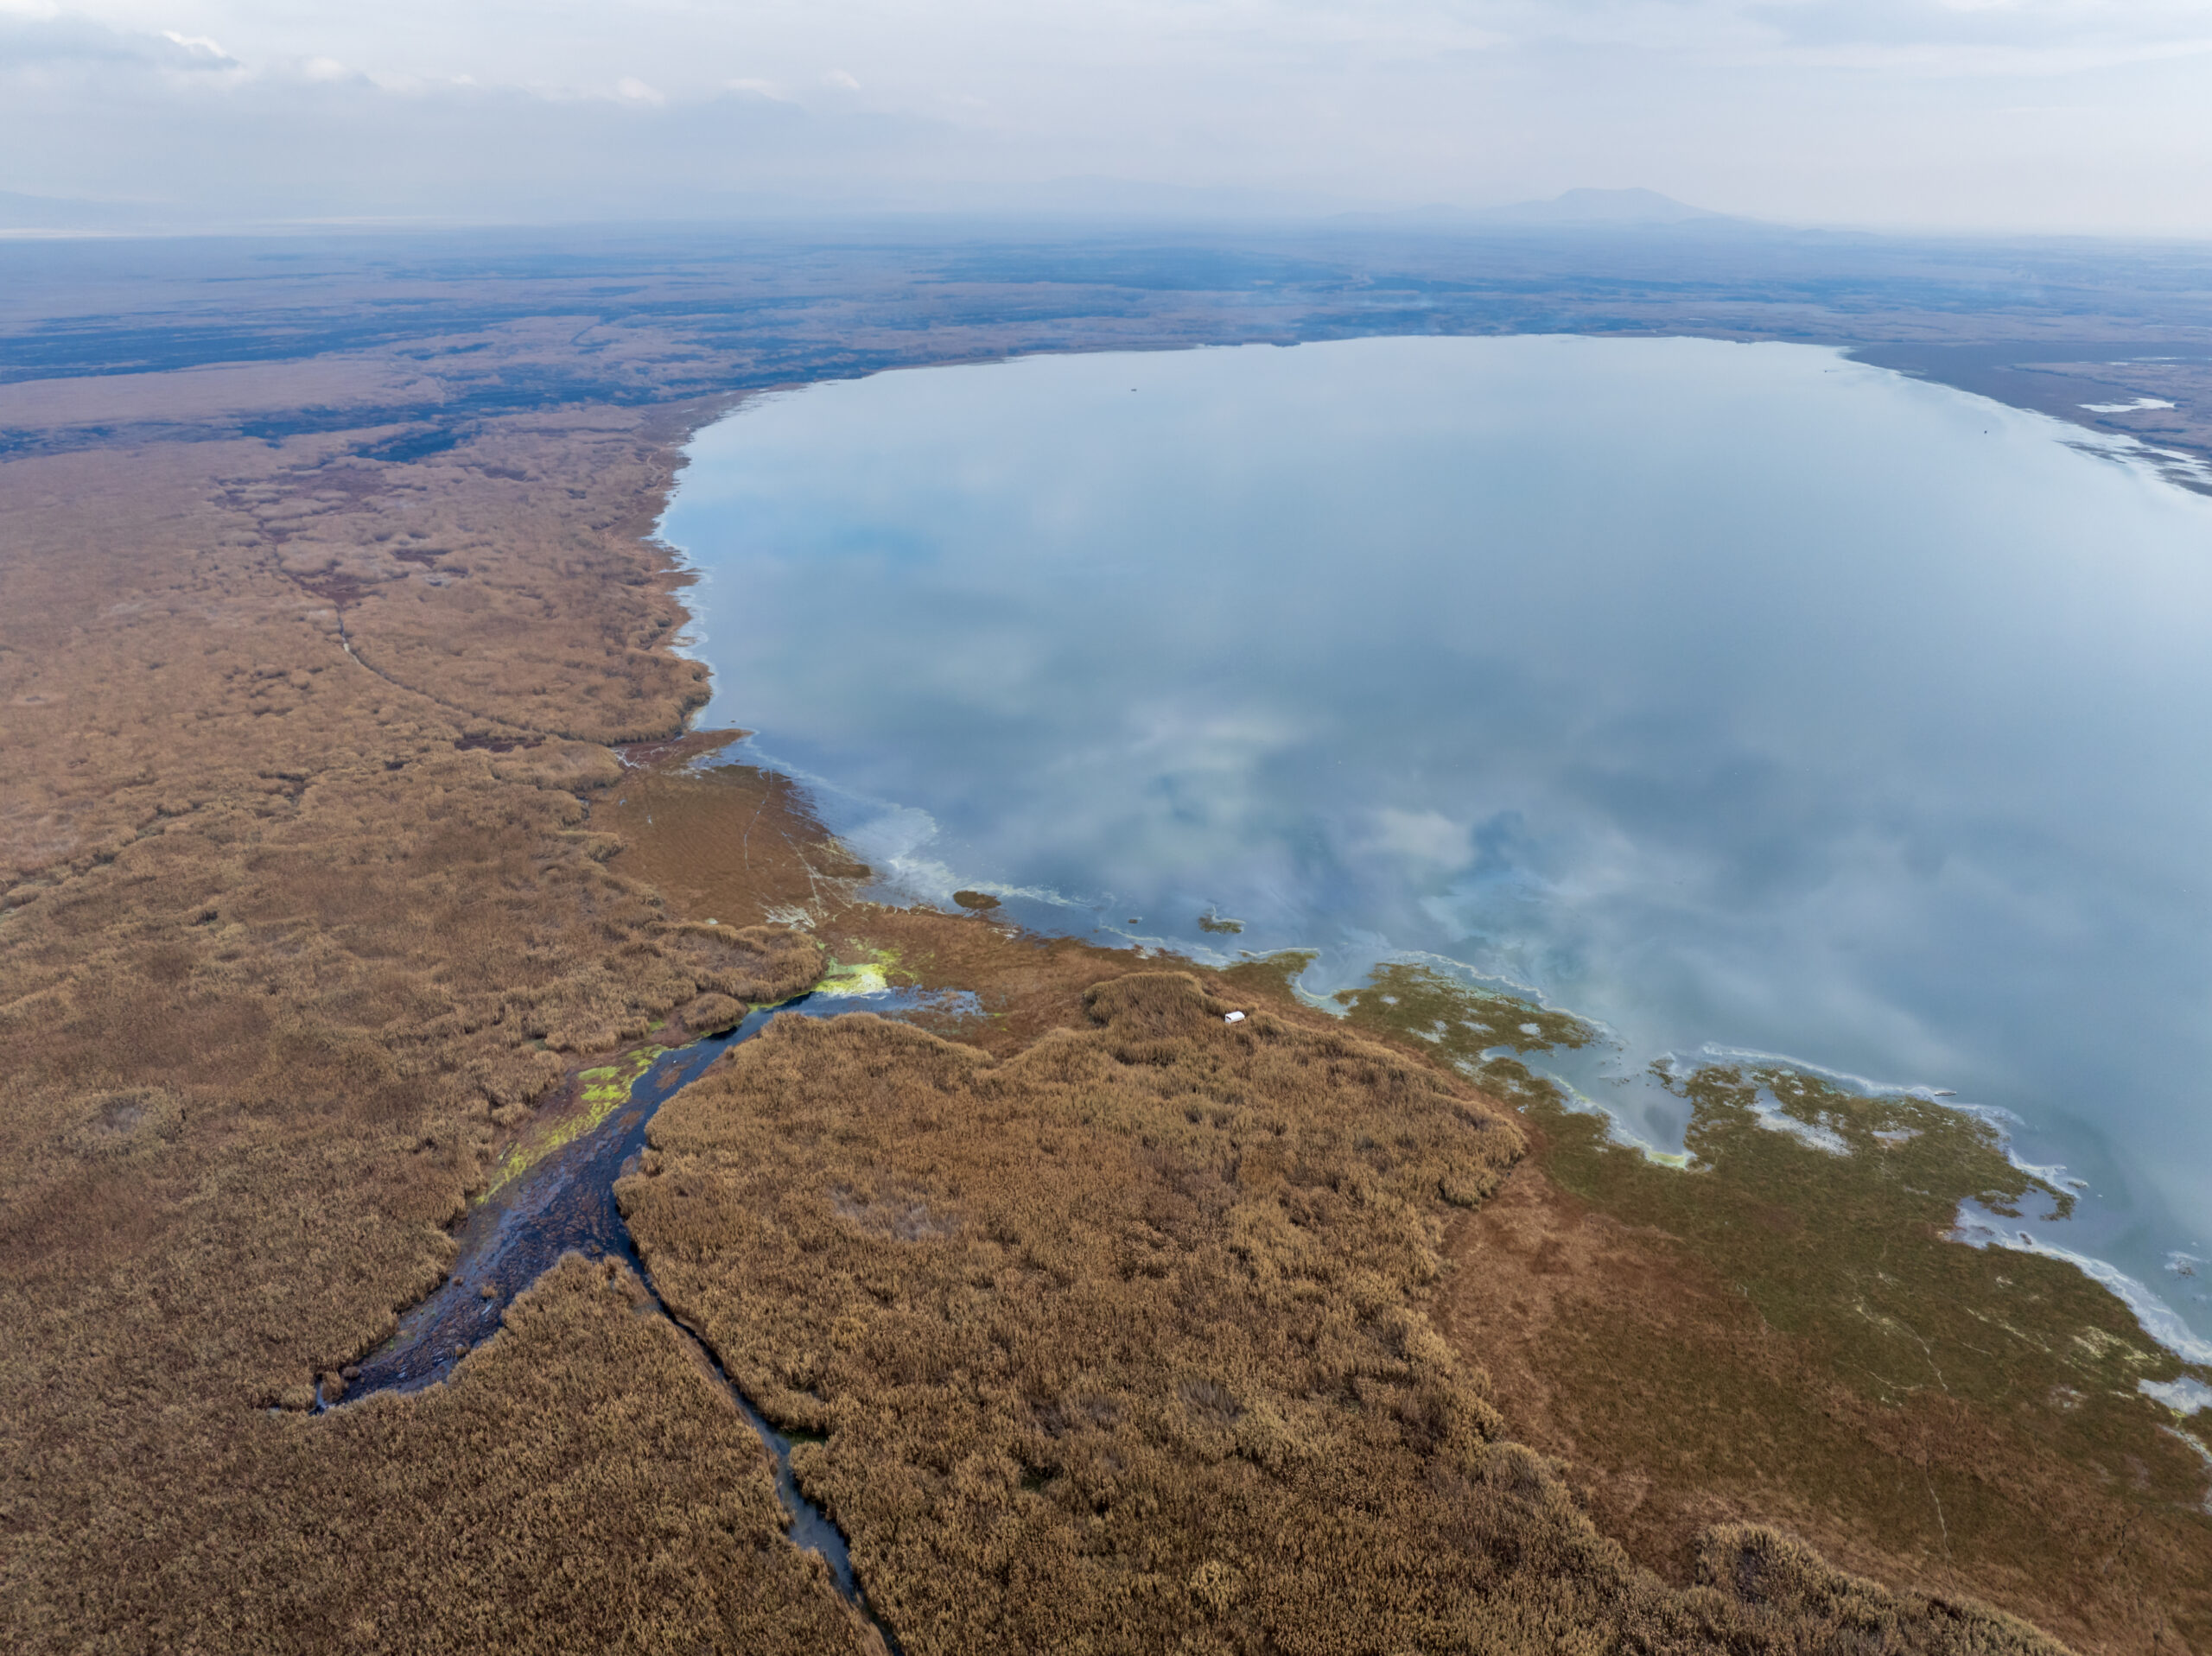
[1840, 1232]
[1460, 1022]
[845, 979]
[1837, 1232]
[1831, 1211]
[600, 1090]
[1976, 1401]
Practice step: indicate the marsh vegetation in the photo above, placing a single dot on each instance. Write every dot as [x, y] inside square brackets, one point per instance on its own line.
[1793, 1305]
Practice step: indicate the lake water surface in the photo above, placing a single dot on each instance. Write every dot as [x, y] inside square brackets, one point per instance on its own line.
[1741, 698]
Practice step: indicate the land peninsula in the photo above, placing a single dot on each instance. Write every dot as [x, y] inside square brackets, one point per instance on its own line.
[350, 827]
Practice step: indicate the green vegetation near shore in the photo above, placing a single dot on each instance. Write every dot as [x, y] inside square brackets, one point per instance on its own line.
[1978, 1403]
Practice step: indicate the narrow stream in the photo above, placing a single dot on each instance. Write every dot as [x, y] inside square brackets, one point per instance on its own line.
[564, 1200]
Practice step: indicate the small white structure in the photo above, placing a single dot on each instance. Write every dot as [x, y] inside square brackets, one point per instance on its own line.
[1232, 1017]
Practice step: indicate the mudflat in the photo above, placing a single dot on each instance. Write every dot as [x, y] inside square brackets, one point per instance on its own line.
[330, 635]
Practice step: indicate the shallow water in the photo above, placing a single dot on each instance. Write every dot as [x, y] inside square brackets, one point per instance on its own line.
[1742, 698]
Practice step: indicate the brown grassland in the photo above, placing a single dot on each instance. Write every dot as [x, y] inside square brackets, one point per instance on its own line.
[344, 819]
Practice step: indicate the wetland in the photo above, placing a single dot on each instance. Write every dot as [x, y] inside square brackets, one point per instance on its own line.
[553, 1194]
[359, 889]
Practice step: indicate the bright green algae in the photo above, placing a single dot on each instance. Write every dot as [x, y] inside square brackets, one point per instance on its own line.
[601, 1090]
[843, 979]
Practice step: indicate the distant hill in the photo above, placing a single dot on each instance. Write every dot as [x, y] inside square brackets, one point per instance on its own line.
[1577, 209]
[1599, 207]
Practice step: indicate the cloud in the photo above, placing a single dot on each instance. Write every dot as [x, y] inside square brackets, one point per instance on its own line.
[200, 47]
[1976, 38]
[103, 116]
[1835, 110]
[59, 42]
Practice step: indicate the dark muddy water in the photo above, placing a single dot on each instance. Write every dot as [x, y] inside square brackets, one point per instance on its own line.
[564, 1201]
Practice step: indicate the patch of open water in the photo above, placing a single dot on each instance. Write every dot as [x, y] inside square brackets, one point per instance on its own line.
[1736, 698]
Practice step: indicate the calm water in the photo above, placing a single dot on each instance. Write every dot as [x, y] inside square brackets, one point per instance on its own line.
[1740, 697]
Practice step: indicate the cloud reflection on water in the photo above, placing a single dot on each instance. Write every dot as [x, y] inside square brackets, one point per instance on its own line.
[1725, 694]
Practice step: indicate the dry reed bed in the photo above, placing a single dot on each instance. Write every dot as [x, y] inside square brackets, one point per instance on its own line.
[1118, 1344]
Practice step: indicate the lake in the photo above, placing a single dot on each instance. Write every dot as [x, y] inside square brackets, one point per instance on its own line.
[1741, 698]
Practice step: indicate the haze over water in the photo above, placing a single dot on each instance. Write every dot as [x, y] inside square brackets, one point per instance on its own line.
[1740, 697]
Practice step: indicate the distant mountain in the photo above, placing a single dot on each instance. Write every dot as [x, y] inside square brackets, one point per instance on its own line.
[1599, 207]
[66, 214]
[1577, 209]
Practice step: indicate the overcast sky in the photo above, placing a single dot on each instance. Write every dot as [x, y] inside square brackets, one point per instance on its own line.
[2059, 114]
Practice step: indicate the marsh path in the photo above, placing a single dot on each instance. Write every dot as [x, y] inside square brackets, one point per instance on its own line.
[563, 1202]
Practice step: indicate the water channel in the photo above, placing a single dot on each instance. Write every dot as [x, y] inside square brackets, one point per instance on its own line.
[541, 1206]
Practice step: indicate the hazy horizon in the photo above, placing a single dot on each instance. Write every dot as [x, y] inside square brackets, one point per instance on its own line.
[1977, 115]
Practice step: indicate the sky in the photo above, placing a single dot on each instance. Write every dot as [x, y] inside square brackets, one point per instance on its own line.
[2059, 116]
